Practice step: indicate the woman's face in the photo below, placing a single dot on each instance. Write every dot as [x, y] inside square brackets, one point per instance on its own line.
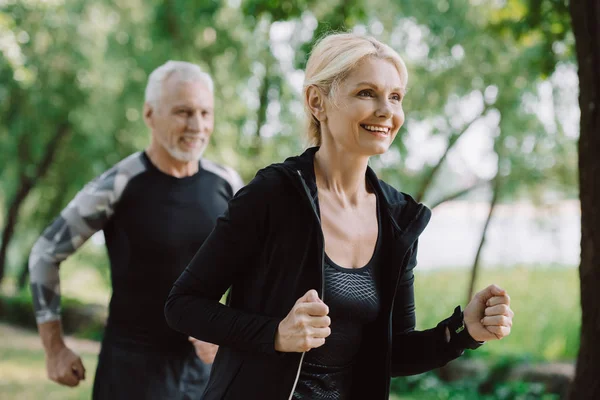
[367, 112]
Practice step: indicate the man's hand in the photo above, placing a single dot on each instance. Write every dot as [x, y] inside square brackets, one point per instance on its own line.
[65, 367]
[62, 364]
[204, 350]
[488, 315]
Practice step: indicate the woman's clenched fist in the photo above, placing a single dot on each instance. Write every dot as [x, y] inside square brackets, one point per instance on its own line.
[305, 327]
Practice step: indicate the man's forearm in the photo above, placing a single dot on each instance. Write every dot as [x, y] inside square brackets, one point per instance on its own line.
[52, 336]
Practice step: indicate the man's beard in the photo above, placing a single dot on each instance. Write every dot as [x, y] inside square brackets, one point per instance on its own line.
[185, 156]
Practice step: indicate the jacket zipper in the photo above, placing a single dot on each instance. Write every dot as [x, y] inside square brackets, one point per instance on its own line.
[314, 208]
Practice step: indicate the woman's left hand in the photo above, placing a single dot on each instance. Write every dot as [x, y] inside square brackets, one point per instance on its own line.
[488, 315]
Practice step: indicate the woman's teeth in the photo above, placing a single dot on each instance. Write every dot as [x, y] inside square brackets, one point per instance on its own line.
[374, 128]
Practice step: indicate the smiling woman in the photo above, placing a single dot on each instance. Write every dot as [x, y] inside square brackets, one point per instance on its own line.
[343, 68]
[365, 113]
[319, 254]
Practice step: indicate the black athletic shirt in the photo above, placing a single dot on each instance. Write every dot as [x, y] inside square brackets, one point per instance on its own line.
[153, 224]
[352, 296]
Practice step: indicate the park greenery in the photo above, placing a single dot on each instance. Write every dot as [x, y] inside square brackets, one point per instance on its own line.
[72, 78]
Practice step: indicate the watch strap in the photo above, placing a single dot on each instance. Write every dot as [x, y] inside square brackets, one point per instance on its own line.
[459, 335]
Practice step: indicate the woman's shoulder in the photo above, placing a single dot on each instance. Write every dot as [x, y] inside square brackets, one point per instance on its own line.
[404, 207]
[395, 196]
[270, 176]
[269, 182]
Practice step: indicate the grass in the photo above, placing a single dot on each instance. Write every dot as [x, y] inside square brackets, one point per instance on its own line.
[546, 326]
[546, 303]
[23, 369]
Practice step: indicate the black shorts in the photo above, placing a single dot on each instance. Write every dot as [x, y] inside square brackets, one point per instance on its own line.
[133, 374]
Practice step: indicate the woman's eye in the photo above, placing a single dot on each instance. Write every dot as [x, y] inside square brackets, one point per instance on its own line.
[396, 97]
[365, 93]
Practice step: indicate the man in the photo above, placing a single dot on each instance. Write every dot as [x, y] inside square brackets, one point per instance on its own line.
[156, 208]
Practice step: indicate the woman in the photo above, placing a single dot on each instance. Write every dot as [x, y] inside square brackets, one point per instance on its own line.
[319, 255]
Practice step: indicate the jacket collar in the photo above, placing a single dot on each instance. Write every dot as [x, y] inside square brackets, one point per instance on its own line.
[406, 214]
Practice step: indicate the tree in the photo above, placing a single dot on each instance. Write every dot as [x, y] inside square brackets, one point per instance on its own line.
[585, 16]
[99, 64]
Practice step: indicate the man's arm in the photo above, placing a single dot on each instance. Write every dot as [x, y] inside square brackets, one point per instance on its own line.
[227, 173]
[62, 364]
[86, 214]
[236, 180]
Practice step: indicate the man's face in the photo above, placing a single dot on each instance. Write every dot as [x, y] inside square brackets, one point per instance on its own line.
[182, 120]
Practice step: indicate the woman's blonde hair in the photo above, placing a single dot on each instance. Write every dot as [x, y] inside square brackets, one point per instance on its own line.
[332, 59]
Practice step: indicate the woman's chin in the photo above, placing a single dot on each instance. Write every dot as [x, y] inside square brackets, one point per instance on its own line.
[375, 149]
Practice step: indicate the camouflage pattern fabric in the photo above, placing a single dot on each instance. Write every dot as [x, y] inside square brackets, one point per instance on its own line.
[86, 214]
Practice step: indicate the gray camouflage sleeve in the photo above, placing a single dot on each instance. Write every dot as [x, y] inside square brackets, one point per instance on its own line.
[86, 214]
[236, 180]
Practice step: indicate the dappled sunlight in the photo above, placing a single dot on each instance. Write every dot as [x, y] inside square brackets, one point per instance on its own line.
[491, 112]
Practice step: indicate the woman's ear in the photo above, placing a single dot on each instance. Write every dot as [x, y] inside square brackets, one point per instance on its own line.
[315, 99]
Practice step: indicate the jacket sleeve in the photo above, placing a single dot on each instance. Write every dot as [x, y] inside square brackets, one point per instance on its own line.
[415, 352]
[228, 255]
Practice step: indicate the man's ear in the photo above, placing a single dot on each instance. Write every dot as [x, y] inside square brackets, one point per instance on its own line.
[315, 99]
[148, 113]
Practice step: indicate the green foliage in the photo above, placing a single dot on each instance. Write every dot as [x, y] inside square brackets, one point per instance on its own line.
[82, 66]
[546, 325]
[545, 301]
[542, 27]
[80, 319]
[429, 387]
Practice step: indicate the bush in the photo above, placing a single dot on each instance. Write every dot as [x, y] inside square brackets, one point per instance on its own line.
[79, 319]
[428, 386]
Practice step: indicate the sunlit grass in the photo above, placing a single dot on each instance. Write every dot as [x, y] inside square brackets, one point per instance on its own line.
[23, 370]
[546, 325]
[546, 303]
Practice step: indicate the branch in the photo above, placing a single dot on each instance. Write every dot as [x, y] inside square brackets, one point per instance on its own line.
[452, 140]
[261, 117]
[24, 188]
[459, 193]
[475, 267]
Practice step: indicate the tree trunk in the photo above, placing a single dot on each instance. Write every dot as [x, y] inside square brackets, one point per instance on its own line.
[58, 203]
[25, 185]
[261, 118]
[11, 220]
[475, 268]
[585, 17]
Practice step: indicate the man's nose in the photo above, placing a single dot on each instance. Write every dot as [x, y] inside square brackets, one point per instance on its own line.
[194, 122]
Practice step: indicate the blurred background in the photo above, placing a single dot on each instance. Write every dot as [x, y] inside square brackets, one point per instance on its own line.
[490, 143]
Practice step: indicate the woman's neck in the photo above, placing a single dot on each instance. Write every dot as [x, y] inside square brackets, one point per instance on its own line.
[341, 174]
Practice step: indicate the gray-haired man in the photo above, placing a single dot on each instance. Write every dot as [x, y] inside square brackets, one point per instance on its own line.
[155, 207]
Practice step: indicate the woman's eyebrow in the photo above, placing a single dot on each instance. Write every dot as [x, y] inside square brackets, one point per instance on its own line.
[377, 87]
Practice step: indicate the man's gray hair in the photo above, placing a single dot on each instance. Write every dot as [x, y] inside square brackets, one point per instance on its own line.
[185, 71]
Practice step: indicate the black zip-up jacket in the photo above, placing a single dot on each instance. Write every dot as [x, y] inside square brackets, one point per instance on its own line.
[269, 248]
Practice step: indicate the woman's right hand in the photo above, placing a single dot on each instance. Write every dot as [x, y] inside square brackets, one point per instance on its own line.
[305, 327]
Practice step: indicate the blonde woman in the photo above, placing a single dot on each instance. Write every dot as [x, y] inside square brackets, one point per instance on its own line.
[319, 254]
